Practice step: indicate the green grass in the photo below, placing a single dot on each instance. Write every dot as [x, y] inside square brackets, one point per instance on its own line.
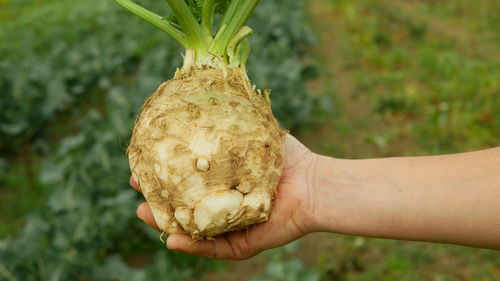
[423, 78]
[361, 259]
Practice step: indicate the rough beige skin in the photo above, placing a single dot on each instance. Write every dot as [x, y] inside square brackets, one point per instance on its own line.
[207, 153]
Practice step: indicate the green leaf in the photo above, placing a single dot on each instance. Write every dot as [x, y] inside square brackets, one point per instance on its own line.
[51, 172]
[14, 128]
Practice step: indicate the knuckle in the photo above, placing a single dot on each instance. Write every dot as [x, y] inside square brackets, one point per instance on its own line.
[241, 249]
[208, 250]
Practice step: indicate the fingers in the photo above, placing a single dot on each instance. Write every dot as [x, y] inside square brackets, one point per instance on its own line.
[144, 213]
[279, 230]
[185, 244]
[235, 245]
[221, 247]
[134, 184]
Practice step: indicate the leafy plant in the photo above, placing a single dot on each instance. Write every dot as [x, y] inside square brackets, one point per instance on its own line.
[281, 267]
[69, 75]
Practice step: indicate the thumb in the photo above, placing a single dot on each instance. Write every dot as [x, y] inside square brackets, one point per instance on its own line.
[295, 151]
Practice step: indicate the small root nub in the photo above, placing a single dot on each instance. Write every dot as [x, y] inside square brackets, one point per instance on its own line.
[202, 164]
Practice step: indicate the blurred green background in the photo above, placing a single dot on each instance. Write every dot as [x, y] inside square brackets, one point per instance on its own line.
[353, 79]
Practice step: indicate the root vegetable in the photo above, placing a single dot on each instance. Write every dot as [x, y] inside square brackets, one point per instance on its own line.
[206, 149]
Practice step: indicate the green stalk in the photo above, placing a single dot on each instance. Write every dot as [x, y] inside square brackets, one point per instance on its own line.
[235, 20]
[236, 57]
[195, 32]
[207, 14]
[188, 23]
[229, 13]
[155, 19]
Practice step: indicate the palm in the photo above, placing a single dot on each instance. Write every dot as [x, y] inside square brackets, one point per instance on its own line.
[288, 220]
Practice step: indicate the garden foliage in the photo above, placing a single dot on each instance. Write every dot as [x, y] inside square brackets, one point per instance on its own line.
[71, 84]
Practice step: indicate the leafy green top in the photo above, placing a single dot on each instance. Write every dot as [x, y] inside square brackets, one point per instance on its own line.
[192, 24]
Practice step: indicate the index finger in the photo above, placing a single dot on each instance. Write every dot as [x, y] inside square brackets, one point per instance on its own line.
[134, 184]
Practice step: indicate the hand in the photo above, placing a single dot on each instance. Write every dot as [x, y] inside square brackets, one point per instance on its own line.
[291, 216]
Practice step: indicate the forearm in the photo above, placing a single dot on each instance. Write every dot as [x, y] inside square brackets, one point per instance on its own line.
[451, 198]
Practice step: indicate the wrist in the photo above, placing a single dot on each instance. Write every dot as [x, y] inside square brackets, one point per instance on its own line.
[321, 208]
[321, 213]
[344, 194]
[308, 217]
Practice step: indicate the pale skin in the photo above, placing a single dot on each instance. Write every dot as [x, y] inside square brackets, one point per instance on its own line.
[447, 199]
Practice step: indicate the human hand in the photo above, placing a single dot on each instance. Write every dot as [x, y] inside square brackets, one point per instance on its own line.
[291, 217]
